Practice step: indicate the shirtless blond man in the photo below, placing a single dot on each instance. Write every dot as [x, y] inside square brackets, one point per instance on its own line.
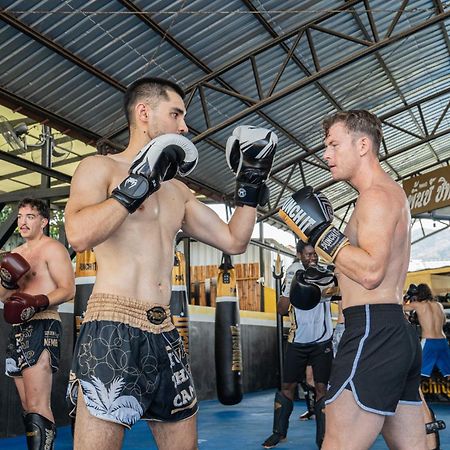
[374, 384]
[36, 277]
[129, 362]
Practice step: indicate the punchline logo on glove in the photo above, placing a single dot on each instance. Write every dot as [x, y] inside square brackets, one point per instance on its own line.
[330, 240]
[296, 218]
[329, 243]
[310, 214]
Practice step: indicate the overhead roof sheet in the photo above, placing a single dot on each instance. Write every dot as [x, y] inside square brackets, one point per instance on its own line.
[281, 65]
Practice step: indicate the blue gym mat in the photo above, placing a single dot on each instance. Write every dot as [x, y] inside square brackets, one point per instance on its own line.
[241, 427]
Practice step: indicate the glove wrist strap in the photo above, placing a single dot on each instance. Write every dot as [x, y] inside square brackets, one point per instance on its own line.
[250, 194]
[329, 243]
[133, 190]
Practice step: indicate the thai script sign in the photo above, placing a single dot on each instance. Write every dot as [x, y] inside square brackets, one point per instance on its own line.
[429, 191]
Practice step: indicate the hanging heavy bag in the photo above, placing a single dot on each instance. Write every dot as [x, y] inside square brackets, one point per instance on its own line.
[228, 352]
[179, 305]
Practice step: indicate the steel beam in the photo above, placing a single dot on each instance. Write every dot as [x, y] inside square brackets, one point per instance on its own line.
[30, 165]
[8, 226]
[55, 193]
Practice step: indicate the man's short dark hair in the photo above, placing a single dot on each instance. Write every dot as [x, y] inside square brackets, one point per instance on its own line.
[150, 88]
[357, 121]
[300, 246]
[424, 292]
[38, 204]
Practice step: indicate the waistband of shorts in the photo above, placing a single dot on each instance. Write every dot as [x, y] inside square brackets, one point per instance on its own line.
[379, 312]
[130, 311]
[311, 344]
[47, 314]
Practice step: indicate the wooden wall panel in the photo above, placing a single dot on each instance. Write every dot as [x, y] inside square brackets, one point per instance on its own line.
[204, 285]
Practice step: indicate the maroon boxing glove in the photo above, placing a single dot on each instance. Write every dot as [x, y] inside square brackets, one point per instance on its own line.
[21, 307]
[12, 268]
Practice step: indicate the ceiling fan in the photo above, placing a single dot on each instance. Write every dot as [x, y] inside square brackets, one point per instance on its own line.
[16, 141]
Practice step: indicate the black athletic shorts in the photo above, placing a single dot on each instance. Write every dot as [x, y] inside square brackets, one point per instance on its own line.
[298, 356]
[129, 362]
[378, 359]
[28, 340]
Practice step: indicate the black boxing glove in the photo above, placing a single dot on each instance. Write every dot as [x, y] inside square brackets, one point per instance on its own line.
[249, 152]
[309, 214]
[21, 307]
[309, 286]
[12, 268]
[303, 295]
[411, 292]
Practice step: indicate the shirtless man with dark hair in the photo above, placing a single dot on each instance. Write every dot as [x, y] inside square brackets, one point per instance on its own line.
[36, 277]
[431, 317]
[129, 361]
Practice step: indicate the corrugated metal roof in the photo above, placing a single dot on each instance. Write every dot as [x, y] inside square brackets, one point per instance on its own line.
[281, 65]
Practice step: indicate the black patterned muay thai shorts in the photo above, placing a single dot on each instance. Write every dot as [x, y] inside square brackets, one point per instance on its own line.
[130, 363]
[28, 340]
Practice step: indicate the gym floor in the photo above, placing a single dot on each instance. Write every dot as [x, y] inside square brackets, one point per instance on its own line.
[243, 426]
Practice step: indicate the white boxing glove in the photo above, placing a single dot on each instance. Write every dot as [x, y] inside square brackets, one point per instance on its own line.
[158, 161]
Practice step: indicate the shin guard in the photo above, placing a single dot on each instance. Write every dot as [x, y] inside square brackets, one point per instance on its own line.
[283, 409]
[310, 396]
[41, 432]
[320, 421]
[434, 427]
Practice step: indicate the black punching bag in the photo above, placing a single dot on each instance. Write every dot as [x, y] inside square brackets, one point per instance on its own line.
[228, 353]
[178, 300]
[85, 274]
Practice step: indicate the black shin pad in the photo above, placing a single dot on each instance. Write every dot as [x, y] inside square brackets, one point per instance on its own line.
[310, 396]
[41, 432]
[283, 409]
[320, 421]
[434, 427]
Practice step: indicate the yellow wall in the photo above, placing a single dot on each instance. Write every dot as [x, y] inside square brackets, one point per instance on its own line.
[270, 304]
[437, 279]
[417, 278]
[440, 284]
